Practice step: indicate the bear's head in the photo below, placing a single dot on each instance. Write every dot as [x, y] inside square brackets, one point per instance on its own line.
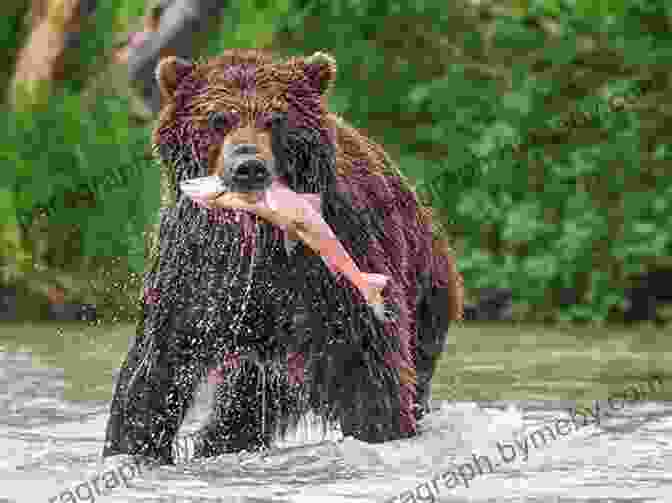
[248, 118]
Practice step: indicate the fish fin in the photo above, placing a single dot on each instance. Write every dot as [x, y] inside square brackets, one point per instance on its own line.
[376, 281]
[373, 285]
[384, 309]
[315, 200]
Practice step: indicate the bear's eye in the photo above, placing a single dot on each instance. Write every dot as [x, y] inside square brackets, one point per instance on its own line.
[270, 120]
[222, 120]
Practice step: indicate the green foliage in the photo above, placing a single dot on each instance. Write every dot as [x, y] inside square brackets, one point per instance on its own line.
[249, 24]
[128, 12]
[96, 38]
[557, 213]
[12, 32]
[68, 149]
[531, 212]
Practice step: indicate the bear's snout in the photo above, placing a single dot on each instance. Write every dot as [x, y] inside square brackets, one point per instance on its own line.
[244, 170]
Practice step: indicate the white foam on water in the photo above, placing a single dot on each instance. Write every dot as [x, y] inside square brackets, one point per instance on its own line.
[309, 431]
[309, 466]
[452, 430]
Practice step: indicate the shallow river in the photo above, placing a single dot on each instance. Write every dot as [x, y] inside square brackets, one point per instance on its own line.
[50, 451]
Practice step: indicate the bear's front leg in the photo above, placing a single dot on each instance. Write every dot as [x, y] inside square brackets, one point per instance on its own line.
[432, 326]
[155, 389]
[235, 424]
[249, 407]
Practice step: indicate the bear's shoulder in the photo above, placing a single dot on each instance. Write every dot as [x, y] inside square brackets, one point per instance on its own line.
[362, 161]
[353, 147]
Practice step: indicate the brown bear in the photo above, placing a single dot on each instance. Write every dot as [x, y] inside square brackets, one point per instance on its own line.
[230, 291]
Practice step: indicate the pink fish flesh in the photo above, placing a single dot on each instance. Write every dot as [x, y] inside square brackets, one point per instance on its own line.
[298, 215]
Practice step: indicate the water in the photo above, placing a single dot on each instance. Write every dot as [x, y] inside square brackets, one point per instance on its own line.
[49, 445]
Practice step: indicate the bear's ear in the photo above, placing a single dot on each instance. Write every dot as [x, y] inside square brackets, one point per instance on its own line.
[169, 72]
[320, 68]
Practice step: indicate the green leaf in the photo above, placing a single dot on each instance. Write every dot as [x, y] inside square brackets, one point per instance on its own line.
[518, 101]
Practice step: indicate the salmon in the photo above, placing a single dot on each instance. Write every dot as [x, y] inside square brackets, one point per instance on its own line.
[300, 216]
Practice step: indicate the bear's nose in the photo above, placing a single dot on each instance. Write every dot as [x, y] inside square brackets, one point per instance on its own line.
[245, 149]
[250, 174]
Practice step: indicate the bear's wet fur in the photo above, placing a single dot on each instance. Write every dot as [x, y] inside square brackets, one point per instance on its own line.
[220, 281]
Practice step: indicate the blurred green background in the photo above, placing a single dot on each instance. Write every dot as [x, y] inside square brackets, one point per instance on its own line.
[539, 130]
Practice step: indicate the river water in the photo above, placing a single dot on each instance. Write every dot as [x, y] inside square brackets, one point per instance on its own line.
[50, 451]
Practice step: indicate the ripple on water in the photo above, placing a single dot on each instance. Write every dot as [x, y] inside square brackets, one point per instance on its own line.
[48, 445]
